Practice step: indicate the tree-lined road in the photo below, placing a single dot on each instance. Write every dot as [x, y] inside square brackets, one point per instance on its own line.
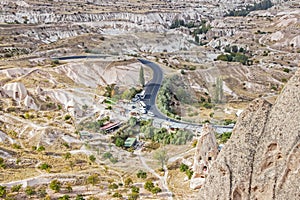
[151, 91]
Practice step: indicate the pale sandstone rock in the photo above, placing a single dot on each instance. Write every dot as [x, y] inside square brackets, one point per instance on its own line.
[262, 158]
[206, 152]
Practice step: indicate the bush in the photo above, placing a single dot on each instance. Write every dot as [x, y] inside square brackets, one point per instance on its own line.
[113, 186]
[16, 188]
[128, 182]
[155, 190]
[2, 191]
[119, 142]
[67, 117]
[141, 174]
[133, 196]
[45, 166]
[286, 70]
[183, 167]
[189, 173]
[92, 158]
[149, 185]
[55, 185]
[135, 189]
[29, 191]
[65, 197]
[117, 195]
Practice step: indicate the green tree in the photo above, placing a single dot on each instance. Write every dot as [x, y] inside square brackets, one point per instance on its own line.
[128, 182]
[2, 191]
[55, 185]
[155, 190]
[92, 158]
[45, 166]
[149, 185]
[41, 148]
[162, 156]
[117, 195]
[16, 188]
[113, 186]
[219, 93]
[93, 179]
[29, 191]
[183, 167]
[119, 142]
[79, 197]
[142, 76]
[141, 174]
[69, 187]
[133, 196]
[65, 197]
[132, 121]
[2, 164]
[67, 155]
[135, 189]
[41, 192]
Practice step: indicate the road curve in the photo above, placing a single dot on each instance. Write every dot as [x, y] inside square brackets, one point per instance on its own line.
[151, 89]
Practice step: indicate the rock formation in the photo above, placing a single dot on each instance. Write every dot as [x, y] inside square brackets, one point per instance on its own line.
[206, 152]
[262, 158]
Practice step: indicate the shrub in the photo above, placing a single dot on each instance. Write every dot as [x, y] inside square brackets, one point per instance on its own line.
[67, 117]
[155, 190]
[141, 174]
[55, 185]
[128, 182]
[29, 191]
[149, 185]
[183, 167]
[45, 166]
[117, 195]
[135, 189]
[189, 173]
[65, 197]
[16, 188]
[92, 158]
[113, 186]
[286, 70]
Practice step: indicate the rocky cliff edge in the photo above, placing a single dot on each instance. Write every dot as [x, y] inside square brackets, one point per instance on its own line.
[262, 158]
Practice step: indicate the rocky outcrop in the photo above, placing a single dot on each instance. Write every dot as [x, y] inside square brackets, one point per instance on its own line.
[262, 158]
[206, 152]
[18, 92]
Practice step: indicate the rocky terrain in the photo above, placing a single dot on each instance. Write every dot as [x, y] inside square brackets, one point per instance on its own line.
[216, 56]
[261, 160]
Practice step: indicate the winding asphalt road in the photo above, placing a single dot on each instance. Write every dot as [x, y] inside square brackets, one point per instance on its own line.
[151, 90]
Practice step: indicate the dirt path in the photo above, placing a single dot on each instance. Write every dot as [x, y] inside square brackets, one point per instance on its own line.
[163, 179]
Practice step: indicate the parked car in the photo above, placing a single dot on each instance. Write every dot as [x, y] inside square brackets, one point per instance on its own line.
[143, 111]
[151, 114]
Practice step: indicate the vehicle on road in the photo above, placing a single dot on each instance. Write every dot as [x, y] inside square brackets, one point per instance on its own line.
[142, 104]
[151, 114]
[143, 111]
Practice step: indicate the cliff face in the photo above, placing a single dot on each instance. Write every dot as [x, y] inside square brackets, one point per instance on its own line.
[262, 158]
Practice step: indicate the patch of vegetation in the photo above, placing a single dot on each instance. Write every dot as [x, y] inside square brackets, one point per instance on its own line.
[55, 185]
[263, 5]
[224, 137]
[178, 136]
[141, 174]
[186, 169]
[108, 155]
[45, 166]
[93, 126]
[173, 92]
